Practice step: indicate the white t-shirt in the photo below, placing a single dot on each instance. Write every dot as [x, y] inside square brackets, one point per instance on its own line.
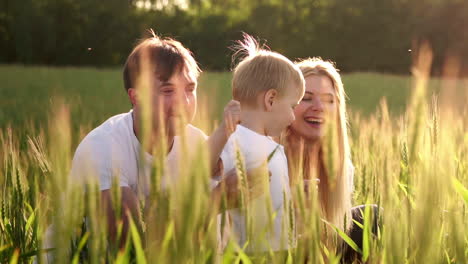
[111, 151]
[276, 233]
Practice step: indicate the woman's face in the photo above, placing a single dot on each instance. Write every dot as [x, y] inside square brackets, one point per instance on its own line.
[317, 108]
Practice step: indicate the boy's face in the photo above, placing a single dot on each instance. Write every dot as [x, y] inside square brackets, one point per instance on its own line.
[282, 112]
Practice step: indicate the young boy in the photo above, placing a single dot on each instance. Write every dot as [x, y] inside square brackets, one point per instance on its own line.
[268, 87]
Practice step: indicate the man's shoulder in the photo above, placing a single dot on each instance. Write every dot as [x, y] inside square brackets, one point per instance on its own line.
[101, 140]
[103, 149]
[112, 127]
[114, 124]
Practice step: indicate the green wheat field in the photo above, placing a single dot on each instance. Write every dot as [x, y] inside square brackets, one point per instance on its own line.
[409, 143]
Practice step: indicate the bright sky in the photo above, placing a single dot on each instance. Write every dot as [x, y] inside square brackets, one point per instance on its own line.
[161, 4]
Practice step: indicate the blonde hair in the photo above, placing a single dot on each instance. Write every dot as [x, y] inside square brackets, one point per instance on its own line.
[261, 70]
[335, 198]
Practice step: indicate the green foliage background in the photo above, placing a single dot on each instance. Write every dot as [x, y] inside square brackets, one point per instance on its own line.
[361, 35]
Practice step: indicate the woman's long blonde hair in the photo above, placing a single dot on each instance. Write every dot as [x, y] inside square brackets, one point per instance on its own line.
[335, 185]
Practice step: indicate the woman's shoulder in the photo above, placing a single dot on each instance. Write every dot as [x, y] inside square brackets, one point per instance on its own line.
[350, 172]
[349, 165]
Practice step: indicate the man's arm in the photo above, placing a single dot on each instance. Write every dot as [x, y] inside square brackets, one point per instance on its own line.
[129, 208]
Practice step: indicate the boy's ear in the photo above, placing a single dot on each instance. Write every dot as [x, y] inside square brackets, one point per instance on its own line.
[132, 94]
[269, 99]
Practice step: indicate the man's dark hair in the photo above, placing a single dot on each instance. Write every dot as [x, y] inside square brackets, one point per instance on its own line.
[162, 56]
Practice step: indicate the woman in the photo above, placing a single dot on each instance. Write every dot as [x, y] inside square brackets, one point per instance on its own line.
[318, 151]
[322, 112]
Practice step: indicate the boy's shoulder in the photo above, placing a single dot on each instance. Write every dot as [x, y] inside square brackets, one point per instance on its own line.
[253, 140]
[254, 148]
[196, 133]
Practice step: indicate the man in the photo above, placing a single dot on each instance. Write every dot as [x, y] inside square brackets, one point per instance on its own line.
[160, 77]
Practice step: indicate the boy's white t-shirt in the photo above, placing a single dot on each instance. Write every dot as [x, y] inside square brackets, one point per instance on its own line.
[273, 233]
[111, 151]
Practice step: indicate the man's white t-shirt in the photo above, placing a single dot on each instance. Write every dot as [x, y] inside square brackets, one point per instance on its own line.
[111, 151]
[272, 233]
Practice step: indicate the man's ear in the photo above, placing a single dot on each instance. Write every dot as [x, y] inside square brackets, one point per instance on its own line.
[132, 95]
[269, 98]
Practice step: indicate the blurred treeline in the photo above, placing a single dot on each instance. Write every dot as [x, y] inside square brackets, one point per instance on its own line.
[360, 35]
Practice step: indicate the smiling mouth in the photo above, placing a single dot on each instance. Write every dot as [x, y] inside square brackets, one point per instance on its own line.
[314, 121]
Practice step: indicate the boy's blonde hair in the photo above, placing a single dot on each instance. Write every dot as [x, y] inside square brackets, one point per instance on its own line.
[261, 70]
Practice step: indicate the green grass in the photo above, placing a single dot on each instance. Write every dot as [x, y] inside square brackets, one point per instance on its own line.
[28, 93]
[411, 158]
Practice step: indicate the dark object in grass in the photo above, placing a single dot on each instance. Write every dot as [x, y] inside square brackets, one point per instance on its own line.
[356, 232]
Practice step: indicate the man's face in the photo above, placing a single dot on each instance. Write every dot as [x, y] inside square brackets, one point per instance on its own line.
[173, 101]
